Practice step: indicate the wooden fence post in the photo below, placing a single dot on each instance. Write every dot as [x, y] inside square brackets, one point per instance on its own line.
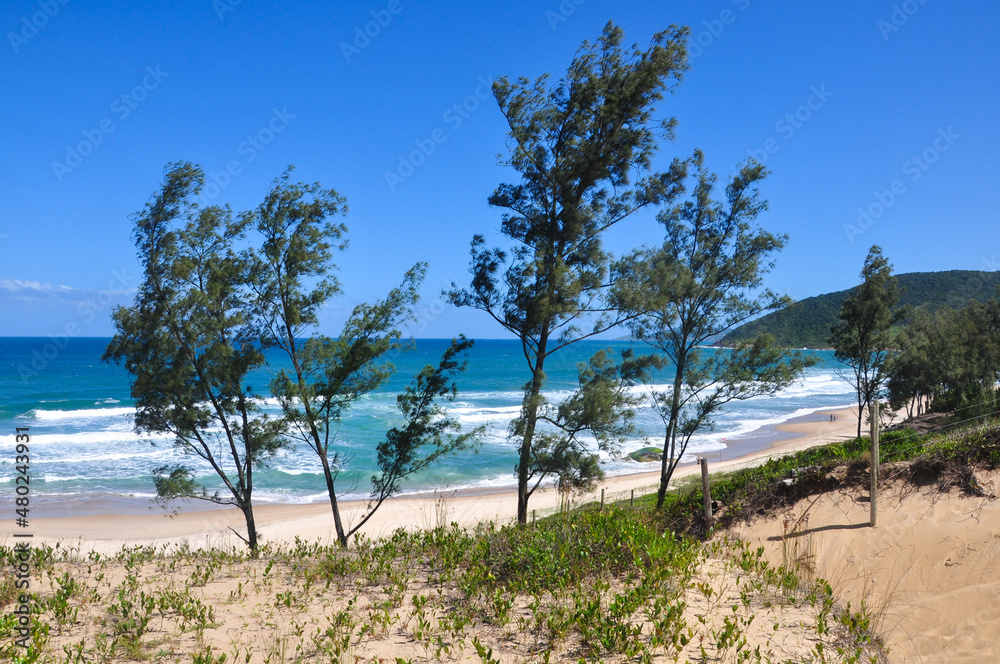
[873, 412]
[707, 492]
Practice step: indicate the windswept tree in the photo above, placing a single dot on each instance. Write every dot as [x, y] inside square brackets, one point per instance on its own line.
[188, 342]
[583, 149]
[292, 280]
[861, 338]
[204, 315]
[703, 282]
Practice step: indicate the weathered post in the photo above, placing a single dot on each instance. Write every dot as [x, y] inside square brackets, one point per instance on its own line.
[873, 411]
[602, 499]
[706, 491]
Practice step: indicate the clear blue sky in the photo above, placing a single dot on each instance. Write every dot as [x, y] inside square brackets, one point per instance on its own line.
[99, 96]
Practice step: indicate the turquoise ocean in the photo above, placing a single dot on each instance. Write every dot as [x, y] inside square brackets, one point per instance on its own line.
[85, 453]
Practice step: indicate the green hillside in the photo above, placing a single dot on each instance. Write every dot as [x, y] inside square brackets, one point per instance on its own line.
[806, 324]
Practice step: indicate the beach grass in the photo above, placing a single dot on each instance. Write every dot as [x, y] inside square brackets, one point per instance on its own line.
[596, 585]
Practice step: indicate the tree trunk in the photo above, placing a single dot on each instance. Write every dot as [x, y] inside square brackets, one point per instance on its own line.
[669, 443]
[531, 416]
[246, 488]
[247, 509]
[328, 475]
[315, 434]
[861, 412]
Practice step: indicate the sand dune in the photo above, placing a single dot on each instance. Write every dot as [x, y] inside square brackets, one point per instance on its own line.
[928, 571]
[931, 565]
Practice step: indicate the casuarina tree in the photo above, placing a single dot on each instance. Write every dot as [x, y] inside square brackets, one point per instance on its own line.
[583, 149]
[704, 281]
[292, 279]
[189, 343]
[218, 291]
[861, 338]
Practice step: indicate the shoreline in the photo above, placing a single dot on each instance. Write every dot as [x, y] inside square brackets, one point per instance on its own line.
[281, 524]
[122, 504]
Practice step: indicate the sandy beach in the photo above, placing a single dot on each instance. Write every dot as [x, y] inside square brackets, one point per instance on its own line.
[281, 524]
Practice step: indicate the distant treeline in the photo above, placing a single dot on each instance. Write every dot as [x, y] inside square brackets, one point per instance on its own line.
[807, 323]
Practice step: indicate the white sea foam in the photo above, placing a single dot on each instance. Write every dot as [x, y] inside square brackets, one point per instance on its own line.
[99, 444]
[299, 471]
[79, 414]
[498, 395]
[275, 496]
[114, 456]
[749, 426]
[88, 438]
[827, 384]
[61, 478]
[473, 415]
[497, 481]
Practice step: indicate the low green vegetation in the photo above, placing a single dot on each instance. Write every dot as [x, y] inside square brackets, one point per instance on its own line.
[588, 586]
[622, 583]
[949, 456]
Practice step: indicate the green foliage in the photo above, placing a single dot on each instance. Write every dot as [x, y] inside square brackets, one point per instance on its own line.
[782, 481]
[558, 554]
[948, 457]
[594, 574]
[62, 611]
[206, 312]
[583, 149]
[950, 358]
[132, 611]
[978, 447]
[427, 425]
[592, 585]
[602, 406]
[206, 657]
[700, 284]
[14, 653]
[8, 589]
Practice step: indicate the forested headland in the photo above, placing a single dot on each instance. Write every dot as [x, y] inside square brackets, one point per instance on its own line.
[806, 323]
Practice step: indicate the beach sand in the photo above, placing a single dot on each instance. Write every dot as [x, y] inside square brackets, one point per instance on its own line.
[281, 524]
